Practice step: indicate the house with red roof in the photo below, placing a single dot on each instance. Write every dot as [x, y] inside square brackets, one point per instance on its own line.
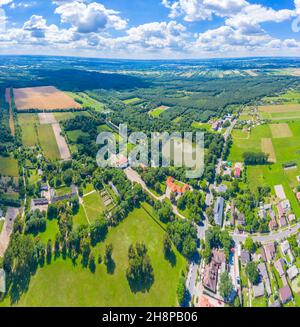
[237, 172]
[175, 188]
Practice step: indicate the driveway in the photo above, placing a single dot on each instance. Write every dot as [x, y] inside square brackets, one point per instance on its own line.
[7, 229]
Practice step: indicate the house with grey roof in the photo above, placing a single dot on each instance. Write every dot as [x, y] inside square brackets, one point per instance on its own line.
[218, 211]
[293, 272]
[285, 246]
[262, 268]
[285, 294]
[275, 304]
[245, 257]
[259, 290]
[2, 281]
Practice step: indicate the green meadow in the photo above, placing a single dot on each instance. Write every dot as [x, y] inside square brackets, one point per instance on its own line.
[8, 166]
[63, 283]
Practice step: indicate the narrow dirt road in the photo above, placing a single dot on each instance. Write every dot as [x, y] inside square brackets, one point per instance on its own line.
[11, 115]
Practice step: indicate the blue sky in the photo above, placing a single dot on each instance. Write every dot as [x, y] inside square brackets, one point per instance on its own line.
[151, 29]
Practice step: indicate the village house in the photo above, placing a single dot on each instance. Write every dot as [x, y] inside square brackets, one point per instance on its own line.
[285, 246]
[282, 222]
[237, 172]
[259, 290]
[279, 264]
[176, 189]
[218, 211]
[222, 188]
[270, 251]
[262, 214]
[245, 257]
[204, 302]
[285, 294]
[291, 218]
[241, 219]
[232, 214]
[275, 304]
[291, 256]
[39, 204]
[211, 270]
[273, 225]
[54, 198]
[2, 281]
[267, 207]
[292, 272]
[262, 268]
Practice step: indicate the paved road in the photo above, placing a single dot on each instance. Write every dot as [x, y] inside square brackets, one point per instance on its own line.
[272, 237]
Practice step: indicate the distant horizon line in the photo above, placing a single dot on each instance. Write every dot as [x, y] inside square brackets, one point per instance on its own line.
[155, 59]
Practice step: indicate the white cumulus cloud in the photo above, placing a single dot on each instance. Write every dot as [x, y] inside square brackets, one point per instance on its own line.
[88, 18]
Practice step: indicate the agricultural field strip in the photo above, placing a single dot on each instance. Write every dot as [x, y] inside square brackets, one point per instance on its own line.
[43, 98]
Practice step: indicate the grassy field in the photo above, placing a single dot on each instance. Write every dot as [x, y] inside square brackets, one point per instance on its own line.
[28, 119]
[27, 123]
[87, 101]
[80, 218]
[48, 141]
[93, 205]
[131, 101]
[63, 190]
[29, 135]
[62, 116]
[73, 135]
[50, 232]
[158, 111]
[64, 284]
[8, 166]
[253, 143]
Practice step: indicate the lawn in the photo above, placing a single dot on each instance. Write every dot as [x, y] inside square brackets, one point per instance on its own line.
[79, 218]
[50, 232]
[28, 119]
[87, 101]
[65, 284]
[63, 190]
[88, 188]
[29, 136]
[8, 166]
[74, 135]
[93, 205]
[131, 101]
[34, 177]
[48, 141]
[62, 116]
[253, 143]
[158, 111]
[260, 302]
